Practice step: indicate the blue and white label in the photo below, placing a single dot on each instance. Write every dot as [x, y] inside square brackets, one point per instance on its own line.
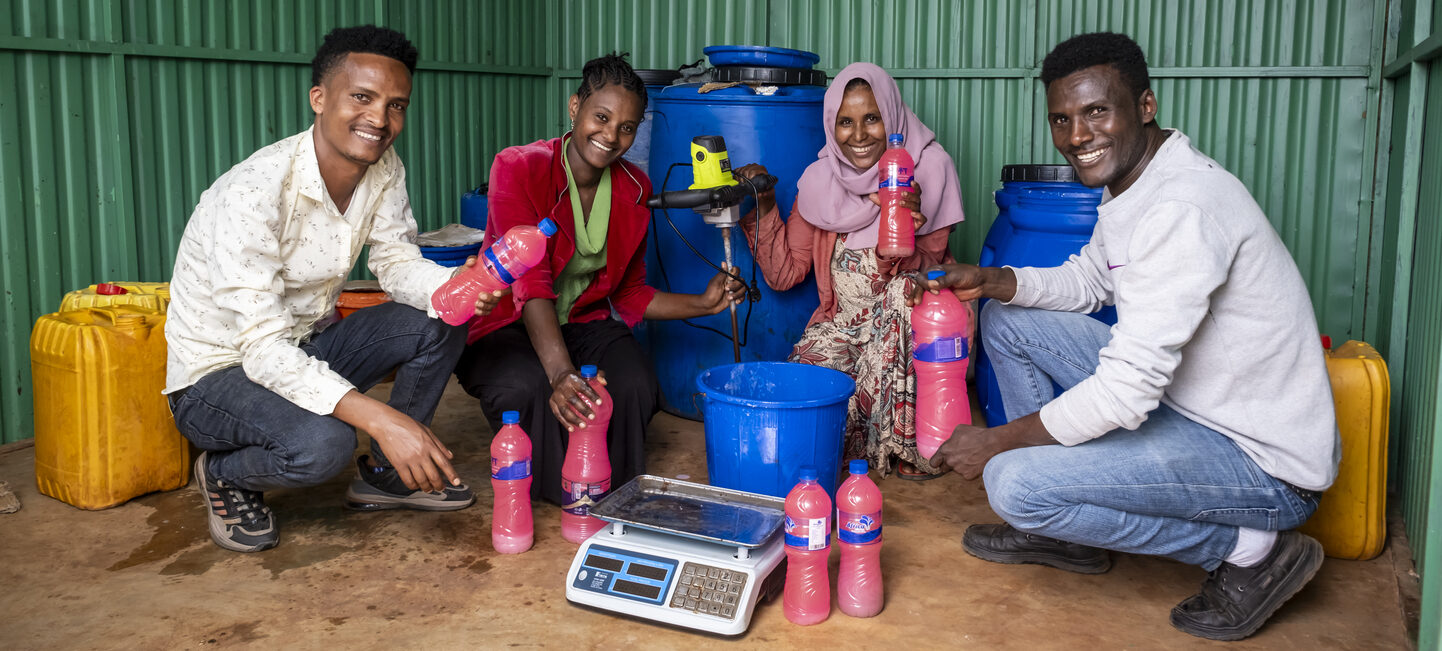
[895, 177]
[944, 349]
[858, 528]
[510, 471]
[808, 533]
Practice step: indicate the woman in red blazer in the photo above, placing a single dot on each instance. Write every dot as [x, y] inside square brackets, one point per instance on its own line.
[579, 304]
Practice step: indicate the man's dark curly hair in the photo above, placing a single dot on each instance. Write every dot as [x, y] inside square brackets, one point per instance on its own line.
[1100, 48]
[610, 69]
[368, 39]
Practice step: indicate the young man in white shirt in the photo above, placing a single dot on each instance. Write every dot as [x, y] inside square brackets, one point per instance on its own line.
[1201, 426]
[261, 374]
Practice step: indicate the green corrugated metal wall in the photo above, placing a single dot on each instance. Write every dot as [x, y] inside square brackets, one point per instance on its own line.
[1408, 284]
[115, 115]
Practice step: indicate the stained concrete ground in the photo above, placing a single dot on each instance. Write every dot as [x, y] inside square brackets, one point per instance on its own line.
[145, 575]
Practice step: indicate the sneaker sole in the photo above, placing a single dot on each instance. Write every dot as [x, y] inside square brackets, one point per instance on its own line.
[1295, 581]
[216, 527]
[1022, 558]
[358, 502]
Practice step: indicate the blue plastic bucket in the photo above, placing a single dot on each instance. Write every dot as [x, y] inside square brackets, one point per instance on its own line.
[1045, 216]
[764, 420]
[450, 256]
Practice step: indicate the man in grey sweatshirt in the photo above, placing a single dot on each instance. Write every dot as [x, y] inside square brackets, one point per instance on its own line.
[1201, 426]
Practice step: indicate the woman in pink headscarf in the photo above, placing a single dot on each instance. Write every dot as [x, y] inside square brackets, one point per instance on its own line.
[863, 325]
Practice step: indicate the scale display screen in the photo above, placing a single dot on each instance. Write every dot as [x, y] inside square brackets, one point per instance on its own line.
[626, 573]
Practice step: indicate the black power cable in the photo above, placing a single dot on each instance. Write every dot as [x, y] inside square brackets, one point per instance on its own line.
[753, 294]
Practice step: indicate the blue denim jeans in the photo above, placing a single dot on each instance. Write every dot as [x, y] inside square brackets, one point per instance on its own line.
[1172, 487]
[257, 440]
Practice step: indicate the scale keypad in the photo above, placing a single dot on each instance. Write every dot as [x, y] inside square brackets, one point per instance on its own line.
[709, 590]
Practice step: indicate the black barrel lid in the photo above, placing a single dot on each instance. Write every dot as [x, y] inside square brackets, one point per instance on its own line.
[770, 76]
[1054, 173]
[652, 77]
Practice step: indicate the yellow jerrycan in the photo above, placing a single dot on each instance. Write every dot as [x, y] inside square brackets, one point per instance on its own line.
[152, 295]
[1350, 521]
[103, 431]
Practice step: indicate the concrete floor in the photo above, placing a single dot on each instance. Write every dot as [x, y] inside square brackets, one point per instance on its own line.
[146, 576]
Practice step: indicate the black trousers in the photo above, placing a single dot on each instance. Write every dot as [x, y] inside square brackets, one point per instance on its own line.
[502, 370]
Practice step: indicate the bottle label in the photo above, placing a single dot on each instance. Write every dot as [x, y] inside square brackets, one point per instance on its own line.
[858, 528]
[580, 496]
[808, 533]
[515, 470]
[944, 349]
[496, 258]
[895, 176]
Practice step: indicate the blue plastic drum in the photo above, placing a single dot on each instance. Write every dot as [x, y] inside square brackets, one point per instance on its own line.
[764, 420]
[1045, 217]
[781, 131]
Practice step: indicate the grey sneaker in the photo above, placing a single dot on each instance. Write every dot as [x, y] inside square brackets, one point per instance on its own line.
[239, 520]
[377, 489]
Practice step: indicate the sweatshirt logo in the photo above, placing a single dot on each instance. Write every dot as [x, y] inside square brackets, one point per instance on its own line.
[1111, 266]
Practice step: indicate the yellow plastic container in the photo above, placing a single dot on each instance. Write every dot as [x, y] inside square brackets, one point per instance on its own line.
[152, 295]
[1350, 521]
[103, 431]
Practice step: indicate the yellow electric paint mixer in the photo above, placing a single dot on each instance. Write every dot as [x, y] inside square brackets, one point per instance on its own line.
[716, 195]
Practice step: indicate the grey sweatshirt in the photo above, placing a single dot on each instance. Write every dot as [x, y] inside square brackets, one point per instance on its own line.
[1212, 319]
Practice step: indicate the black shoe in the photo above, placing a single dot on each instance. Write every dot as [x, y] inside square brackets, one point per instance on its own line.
[381, 488]
[1001, 543]
[239, 520]
[1236, 601]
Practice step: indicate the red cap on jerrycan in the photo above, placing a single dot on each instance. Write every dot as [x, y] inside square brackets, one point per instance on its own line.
[940, 325]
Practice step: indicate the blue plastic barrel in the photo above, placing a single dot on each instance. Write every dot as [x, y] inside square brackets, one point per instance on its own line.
[1045, 217]
[640, 151]
[781, 131]
[474, 207]
[764, 420]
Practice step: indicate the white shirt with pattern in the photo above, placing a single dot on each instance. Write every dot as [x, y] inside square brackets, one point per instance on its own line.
[263, 260]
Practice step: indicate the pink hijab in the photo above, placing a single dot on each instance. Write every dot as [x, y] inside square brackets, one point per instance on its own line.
[832, 194]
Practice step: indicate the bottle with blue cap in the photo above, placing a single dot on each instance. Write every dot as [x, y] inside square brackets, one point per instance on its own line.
[512, 528]
[505, 260]
[896, 235]
[858, 534]
[806, 598]
[586, 472]
[940, 351]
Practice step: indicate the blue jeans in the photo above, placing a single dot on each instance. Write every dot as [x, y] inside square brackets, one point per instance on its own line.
[259, 441]
[1171, 488]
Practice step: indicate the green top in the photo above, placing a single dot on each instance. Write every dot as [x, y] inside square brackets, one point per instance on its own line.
[590, 241]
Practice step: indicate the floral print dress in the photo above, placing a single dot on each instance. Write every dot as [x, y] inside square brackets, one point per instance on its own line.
[870, 340]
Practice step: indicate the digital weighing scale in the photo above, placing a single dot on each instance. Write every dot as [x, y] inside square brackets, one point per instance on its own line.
[681, 553]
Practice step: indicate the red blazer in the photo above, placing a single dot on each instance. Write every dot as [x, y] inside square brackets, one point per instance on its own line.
[529, 184]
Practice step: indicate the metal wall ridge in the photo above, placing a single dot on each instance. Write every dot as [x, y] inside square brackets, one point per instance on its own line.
[103, 48]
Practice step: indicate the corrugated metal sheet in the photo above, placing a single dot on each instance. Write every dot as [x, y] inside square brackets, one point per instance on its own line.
[114, 117]
[1250, 33]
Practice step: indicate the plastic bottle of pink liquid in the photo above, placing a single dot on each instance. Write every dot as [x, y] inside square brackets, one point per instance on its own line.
[940, 353]
[858, 533]
[897, 236]
[512, 530]
[501, 264]
[806, 599]
[586, 473]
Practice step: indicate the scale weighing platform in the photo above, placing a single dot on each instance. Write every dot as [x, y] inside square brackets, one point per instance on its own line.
[681, 553]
